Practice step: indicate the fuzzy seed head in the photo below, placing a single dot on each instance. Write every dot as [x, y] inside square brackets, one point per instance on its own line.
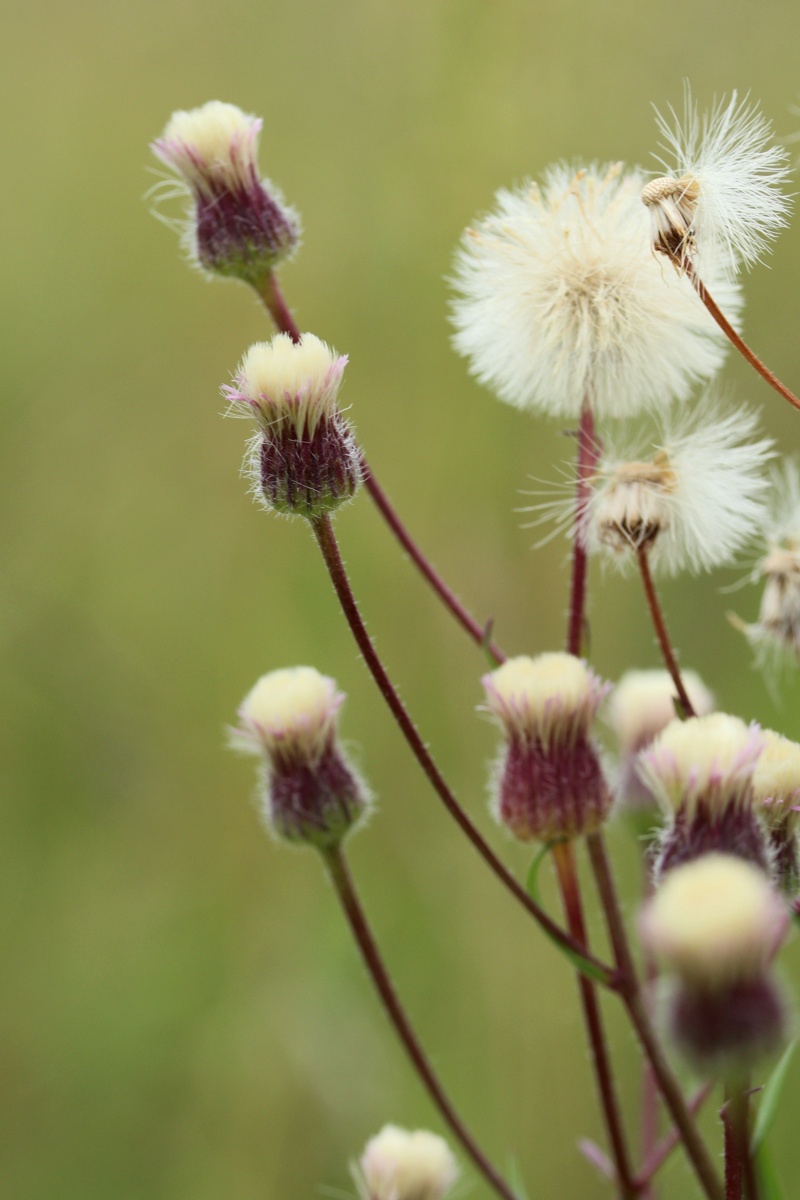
[693, 501]
[402, 1165]
[550, 697]
[560, 301]
[707, 759]
[722, 202]
[643, 703]
[714, 922]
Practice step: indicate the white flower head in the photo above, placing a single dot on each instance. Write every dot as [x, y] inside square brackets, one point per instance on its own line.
[714, 921]
[694, 498]
[704, 760]
[289, 713]
[721, 200]
[283, 383]
[776, 780]
[561, 302]
[643, 703]
[398, 1164]
[776, 633]
[553, 697]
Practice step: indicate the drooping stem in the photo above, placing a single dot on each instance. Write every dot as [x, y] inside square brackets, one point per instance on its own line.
[740, 1176]
[274, 301]
[326, 539]
[586, 460]
[659, 624]
[345, 890]
[564, 860]
[633, 1000]
[735, 339]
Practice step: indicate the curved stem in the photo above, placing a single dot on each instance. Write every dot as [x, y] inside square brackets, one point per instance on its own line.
[640, 1019]
[326, 539]
[736, 340]
[345, 890]
[660, 627]
[564, 860]
[587, 458]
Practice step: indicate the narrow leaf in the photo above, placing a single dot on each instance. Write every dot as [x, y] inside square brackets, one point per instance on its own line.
[768, 1186]
[770, 1097]
[578, 961]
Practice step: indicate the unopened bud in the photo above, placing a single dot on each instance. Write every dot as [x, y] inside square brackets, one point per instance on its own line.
[303, 460]
[402, 1165]
[240, 226]
[702, 772]
[716, 924]
[549, 782]
[311, 793]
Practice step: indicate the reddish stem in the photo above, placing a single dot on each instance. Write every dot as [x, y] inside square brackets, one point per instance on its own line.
[740, 1177]
[736, 340]
[660, 627]
[564, 860]
[343, 884]
[275, 304]
[326, 539]
[588, 453]
[662, 1150]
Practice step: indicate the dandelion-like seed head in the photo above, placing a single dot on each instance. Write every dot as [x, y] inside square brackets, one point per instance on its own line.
[549, 782]
[693, 502]
[401, 1165]
[239, 226]
[715, 921]
[722, 201]
[304, 460]
[561, 302]
[310, 793]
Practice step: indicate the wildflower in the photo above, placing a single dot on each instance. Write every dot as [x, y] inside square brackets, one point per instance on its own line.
[716, 924]
[776, 788]
[311, 794]
[239, 224]
[402, 1165]
[693, 499]
[721, 200]
[561, 301]
[549, 782]
[303, 460]
[701, 771]
[778, 624]
[641, 705]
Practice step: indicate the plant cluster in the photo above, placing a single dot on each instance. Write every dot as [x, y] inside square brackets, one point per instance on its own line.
[609, 297]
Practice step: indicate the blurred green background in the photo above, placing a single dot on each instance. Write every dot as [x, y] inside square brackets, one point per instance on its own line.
[184, 1016]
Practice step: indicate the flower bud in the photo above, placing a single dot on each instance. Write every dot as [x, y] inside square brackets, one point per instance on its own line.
[549, 782]
[776, 788]
[399, 1165]
[304, 460]
[716, 924]
[311, 793]
[641, 705]
[702, 771]
[240, 226]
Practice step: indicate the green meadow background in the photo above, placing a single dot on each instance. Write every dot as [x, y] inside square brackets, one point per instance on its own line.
[183, 1015]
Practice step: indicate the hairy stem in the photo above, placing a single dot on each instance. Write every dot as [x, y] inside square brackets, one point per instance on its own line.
[659, 624]
[564, 860]
[326, 539]
[736, 340]
[345, 890]
[587, 458]
[633, 1000]
[740, 1175]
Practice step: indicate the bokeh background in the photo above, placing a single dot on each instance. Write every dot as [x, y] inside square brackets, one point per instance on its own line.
[184, 1017]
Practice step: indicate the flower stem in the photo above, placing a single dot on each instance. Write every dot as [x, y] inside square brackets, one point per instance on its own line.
[345, 890]
[662, 1150]
[587, 457]
[631, 995]
[740, 1176]
[326, 539]
[564, 860]
[736, 340]
[273, 299]
[660, 627]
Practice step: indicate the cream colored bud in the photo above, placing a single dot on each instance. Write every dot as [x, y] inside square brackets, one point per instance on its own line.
[704, 758]
[551, 695]
[643, 703]
[714, 921]
[776, 779]
[402, 1165]
[290, 711]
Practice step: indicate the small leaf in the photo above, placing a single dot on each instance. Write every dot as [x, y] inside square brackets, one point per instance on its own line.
[771, 1095]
